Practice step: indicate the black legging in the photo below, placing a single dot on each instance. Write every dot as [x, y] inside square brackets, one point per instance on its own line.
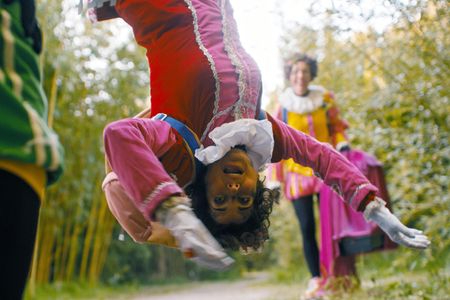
[19, 211]
[304, 209]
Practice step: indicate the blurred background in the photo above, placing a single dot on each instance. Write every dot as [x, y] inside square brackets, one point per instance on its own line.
[387, 62]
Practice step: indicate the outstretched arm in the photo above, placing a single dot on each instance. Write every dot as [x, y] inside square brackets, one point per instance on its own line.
[327, 163]
[343, 176]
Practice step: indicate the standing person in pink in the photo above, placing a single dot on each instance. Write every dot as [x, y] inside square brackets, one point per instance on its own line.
[345, 233]
[310, 109]
[205, 89]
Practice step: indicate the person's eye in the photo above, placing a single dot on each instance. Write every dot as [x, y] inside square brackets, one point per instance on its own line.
[244, 200]
[219, 200]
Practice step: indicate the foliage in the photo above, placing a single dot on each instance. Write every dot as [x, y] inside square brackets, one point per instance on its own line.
[391, 281]
[129, 262]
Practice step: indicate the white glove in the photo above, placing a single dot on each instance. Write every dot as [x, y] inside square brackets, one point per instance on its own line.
[377, 212]
[273, 184]
[192, 236]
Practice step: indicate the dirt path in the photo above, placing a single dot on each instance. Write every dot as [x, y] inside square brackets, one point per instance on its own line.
[252, 288]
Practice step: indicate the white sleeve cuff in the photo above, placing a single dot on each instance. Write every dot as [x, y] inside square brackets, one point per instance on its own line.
[374, 205]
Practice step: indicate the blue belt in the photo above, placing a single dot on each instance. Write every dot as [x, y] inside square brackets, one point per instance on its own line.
[261, 115]
[185, 133]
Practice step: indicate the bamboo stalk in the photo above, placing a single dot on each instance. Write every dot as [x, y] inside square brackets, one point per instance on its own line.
[31, 289]
[52, 97]
[87, 240]
[161, 263]
[48, 240]
[109, 222]
[93, 268]
[73, 251]
[73, 244]
[64, 250]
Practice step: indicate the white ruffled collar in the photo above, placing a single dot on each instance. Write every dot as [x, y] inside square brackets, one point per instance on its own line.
[257, 136]
[302, 104]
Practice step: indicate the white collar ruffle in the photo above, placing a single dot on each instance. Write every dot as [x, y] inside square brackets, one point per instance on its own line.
[302, 104]
[257, 136]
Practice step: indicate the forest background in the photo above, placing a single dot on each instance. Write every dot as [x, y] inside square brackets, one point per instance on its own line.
[391, 85]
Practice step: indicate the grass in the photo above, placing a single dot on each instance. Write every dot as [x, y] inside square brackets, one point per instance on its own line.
[383, 276]
[84, 291]
[80, 291]
[76, 290]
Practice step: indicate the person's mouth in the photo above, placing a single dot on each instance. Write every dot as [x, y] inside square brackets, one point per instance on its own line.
[233, 170]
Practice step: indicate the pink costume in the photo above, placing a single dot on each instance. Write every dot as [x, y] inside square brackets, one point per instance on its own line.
[201, 75]
[342, 229]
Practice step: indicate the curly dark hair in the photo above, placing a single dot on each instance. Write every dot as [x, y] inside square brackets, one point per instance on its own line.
[312, 63]
[249, 235]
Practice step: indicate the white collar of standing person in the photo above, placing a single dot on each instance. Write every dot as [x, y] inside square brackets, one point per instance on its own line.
[256, 136]
[302, 104]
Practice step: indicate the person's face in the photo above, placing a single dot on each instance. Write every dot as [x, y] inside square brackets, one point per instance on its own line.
[231, 188]
[300, 78]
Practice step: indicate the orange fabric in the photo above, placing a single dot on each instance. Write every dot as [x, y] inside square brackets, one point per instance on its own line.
[179, 162]
[336, 125]
[33, 175]
[370, 197]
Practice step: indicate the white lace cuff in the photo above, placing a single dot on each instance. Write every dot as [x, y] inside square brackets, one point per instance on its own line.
[173, 203]
[375, 204]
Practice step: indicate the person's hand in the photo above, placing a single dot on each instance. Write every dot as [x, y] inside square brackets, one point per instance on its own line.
[193, 238]
[377, 212]
[345, 148]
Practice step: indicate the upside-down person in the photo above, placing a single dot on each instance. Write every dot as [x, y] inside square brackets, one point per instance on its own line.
[193, 164]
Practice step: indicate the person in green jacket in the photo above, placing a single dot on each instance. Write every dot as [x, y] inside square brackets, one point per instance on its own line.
[30, 153]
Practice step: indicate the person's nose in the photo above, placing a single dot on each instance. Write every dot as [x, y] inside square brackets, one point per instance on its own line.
[234, 187]
[300, 75]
